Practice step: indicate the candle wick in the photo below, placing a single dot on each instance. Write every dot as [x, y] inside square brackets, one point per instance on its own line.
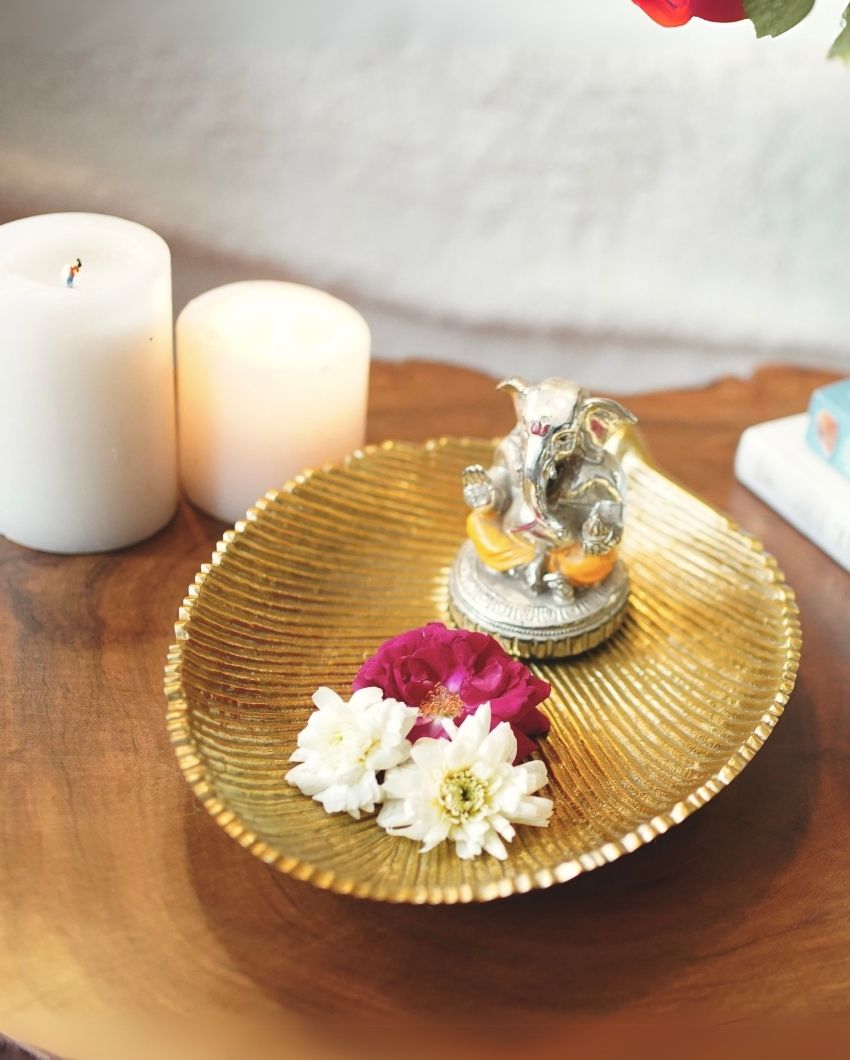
[70, 272]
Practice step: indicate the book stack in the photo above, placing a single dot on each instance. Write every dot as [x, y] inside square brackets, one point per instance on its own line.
[800, 466]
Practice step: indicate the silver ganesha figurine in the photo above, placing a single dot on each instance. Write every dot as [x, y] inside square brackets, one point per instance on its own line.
[540, 568]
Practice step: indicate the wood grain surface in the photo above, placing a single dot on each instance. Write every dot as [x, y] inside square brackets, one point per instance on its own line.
[123, 905]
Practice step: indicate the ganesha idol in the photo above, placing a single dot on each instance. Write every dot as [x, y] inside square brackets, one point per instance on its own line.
[540, 569]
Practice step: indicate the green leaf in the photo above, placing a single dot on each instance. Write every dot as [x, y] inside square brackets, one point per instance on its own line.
[772, 17]
[841, 47]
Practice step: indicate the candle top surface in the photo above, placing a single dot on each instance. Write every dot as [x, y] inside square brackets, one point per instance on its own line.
[269, 318]
[36, 252]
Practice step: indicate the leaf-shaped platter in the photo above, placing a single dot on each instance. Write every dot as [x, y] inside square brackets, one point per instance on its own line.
[645, 729]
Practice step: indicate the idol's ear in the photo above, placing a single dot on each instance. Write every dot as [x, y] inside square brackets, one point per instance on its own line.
[516, 387]
[602, 417]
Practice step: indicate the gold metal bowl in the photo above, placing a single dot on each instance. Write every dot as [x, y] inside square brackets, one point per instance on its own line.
[645, 729]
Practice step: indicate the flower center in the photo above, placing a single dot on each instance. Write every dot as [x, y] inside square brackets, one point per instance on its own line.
[441, 703]
[367, 749]
[462, 795]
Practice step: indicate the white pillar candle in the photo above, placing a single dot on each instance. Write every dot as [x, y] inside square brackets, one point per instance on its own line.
[87, 425]
[272, 378]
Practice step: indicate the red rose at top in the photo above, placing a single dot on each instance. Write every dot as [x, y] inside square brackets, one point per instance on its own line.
[449, 673]
[678, 12]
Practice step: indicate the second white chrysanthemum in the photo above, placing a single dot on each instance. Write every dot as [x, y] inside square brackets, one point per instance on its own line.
[466, 789]
[345, 745]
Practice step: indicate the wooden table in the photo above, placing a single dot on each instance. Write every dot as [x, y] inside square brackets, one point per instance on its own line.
[122, 904]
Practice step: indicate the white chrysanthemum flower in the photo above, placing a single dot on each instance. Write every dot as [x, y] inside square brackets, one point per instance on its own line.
[466, 789]
[344, 745]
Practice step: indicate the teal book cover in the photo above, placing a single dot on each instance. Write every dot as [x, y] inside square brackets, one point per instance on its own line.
[828, 434]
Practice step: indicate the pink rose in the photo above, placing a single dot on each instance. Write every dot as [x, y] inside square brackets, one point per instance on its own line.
[449, 673]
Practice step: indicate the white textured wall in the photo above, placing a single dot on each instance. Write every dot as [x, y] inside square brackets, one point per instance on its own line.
[558, 185]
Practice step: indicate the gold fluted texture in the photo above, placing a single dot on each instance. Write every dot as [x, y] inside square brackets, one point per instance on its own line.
[645, 729]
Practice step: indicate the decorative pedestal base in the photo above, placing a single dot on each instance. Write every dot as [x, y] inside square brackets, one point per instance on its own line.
[534, 625]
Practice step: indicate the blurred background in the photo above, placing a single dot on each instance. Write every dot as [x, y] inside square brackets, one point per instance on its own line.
[542, 186]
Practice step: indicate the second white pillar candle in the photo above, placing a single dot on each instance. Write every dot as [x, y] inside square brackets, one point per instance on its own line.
[272, 378]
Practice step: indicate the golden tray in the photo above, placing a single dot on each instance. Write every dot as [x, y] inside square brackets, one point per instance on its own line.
[645, 729]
